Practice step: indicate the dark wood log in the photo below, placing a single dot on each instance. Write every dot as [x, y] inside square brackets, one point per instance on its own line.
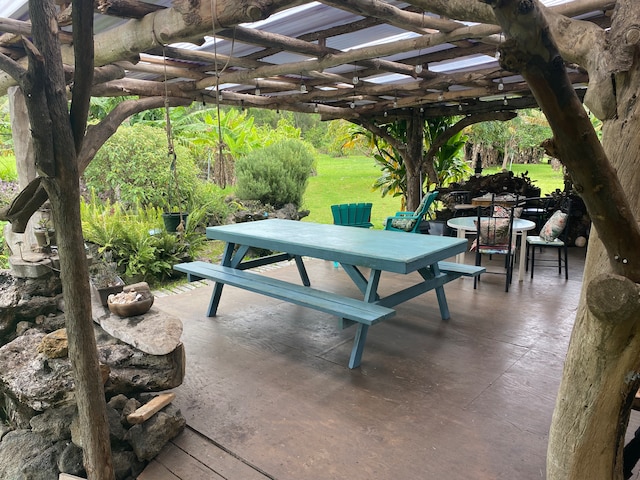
[54, 145]
[126, 8]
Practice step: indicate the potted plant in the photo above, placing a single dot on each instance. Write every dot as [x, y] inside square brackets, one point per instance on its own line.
[44, 232]
[174, 220]
[105, 278]
[175, 213]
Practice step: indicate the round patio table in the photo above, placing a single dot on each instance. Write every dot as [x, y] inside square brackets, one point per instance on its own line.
[463, 225]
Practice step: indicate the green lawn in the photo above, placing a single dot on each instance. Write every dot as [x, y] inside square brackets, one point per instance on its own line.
[349, 180]
[541, 174]
[346, 180]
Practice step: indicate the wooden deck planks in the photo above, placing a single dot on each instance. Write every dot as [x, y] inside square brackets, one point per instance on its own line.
[204, 460]
[156, 471]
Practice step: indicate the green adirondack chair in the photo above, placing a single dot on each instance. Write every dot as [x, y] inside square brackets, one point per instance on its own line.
[352, 214]
[410, 221]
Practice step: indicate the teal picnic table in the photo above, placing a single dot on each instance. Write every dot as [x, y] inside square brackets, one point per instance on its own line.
[354, 248]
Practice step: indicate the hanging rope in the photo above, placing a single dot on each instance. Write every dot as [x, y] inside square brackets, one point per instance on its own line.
[171, 152]
[220, 159]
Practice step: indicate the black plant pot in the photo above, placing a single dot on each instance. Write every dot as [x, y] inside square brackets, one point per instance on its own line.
[104, 292]
[172, 220]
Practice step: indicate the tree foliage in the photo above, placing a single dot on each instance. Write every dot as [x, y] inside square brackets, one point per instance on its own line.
[448, 162]
[527, 131]
[134, 168]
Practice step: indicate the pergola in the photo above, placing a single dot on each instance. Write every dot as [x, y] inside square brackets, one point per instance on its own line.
[350, 59]
[305, 56]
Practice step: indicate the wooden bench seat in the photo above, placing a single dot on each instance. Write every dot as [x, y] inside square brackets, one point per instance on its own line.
[461, 269]
[344, 307]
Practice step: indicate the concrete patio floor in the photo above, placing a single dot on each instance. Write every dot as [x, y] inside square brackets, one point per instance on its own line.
[268, 395]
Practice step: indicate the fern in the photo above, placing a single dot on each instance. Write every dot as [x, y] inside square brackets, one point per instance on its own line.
[134, 237]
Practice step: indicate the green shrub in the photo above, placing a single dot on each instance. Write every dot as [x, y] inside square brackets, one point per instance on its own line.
[133, 168]
[210, 198]
[141, 248]
[275, 175]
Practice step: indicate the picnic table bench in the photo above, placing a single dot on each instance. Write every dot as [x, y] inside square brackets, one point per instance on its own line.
[356, 248]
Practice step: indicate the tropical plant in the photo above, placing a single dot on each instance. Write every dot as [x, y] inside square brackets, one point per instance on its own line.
[211, 199]
[393, 180]
[198, 130]
[448, 164]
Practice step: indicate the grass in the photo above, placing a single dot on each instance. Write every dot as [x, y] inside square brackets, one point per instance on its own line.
[349, 180]
[346, 180]
[541, 174]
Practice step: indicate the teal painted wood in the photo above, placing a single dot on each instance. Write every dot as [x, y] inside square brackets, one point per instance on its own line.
[354, 248]
[410, 221]
[346, 307]
[461, 268]
[352, 214]
[378, 249]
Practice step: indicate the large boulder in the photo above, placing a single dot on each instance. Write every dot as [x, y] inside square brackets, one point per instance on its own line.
[31, 382]
[20, 449]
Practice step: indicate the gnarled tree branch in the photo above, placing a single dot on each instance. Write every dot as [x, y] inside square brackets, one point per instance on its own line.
[530, 49]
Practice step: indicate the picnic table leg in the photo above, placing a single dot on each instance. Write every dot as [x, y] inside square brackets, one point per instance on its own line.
[370, 295]
[364, 285]
[358, 345]
[215, 299]
[227, 258]
[302, 270]
[442, 303]
[434, 271]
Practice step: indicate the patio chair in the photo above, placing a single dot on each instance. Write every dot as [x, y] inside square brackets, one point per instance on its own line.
[495, 237]
[410, 221]
[536, 209]
[462, 206]
[553, 235]
[352, 214]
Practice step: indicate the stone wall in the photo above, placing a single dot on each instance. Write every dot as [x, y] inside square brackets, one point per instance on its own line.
[38, 419]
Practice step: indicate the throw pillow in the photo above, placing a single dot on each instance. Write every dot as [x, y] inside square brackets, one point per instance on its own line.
[554, 226]
[494, 231]
[500, 211]
[504, 212]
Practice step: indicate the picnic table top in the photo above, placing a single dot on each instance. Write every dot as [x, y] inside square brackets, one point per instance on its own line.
[398, 252]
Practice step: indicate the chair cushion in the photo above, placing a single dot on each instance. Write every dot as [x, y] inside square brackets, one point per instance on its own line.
[405, 224]
[536, 240]
[554, 226]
